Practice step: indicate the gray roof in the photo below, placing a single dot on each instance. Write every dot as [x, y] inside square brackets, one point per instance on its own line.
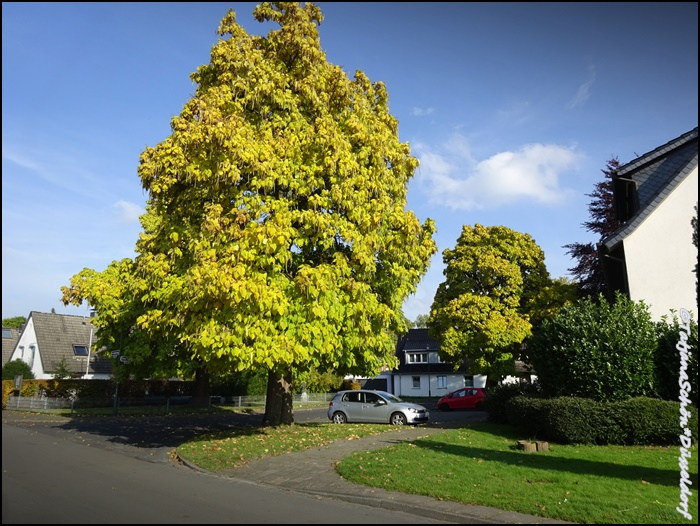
[656, 173]
[56, 334]
[8, 344]
[418, 340]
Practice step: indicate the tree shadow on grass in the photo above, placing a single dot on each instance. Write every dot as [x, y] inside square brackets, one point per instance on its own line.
[547, 462]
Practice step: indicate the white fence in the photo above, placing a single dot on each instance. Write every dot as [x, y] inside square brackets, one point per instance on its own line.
[40, 404]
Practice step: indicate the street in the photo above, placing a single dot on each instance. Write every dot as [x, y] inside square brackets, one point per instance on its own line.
[116, 471]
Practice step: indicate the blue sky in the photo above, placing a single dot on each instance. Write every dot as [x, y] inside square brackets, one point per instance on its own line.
[512, 108]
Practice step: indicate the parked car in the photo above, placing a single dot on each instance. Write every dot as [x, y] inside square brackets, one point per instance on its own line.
[369, 406]
[465, 398]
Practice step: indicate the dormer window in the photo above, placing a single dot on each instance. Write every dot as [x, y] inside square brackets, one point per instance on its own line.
[416, 357]
[6, 333]
[80, 350]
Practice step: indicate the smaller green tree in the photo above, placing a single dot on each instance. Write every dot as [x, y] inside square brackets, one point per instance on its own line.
[17, 368]
[596, 349]
[494, 278]
[62, 371]
[14, 323]
[421, 321]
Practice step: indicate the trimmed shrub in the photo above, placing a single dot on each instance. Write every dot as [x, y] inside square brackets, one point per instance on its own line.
[526, 413]
[498, 396]
[17, 368]
[570, 420]
[596, 350]
[667, 359]
[651, 421]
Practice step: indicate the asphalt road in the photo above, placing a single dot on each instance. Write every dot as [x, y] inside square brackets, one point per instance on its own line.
[117, 471]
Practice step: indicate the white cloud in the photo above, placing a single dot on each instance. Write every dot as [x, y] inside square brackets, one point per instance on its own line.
[584, 91]
[421, 112]
[128, 212]
[456, 180]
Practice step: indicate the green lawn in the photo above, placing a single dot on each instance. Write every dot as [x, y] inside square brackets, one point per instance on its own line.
[481, 465]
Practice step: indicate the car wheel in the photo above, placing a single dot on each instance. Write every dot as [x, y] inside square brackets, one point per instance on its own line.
[398, 419]
[339, 418]
[480, 406]
[444, 407]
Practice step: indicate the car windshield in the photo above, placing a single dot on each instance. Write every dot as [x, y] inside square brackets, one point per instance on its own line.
[392, 398]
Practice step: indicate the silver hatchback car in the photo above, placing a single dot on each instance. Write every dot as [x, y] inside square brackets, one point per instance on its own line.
[377, 407]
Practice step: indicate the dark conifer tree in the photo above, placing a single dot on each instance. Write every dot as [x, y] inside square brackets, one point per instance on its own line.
[588, 272]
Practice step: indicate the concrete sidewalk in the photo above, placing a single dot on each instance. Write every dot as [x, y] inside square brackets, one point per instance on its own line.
[313, 472]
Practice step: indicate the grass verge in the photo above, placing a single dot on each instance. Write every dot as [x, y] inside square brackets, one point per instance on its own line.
[229, 449]
[481, 465]
[585, 484]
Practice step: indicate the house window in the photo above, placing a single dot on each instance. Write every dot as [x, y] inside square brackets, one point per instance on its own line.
[416, 382]
[80, 350]
[468, 381]
[417, 357]
[6, 333]
[21, 352]
[442, 382]
[32, 352]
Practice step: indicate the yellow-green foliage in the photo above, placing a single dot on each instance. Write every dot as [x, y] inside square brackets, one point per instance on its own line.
[495, 280]
[351, 384]
[29, 388]
[276, 234]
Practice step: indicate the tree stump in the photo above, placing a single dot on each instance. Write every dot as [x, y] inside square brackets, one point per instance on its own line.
[527, 446]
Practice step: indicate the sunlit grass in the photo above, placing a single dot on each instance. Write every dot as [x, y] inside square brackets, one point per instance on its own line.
[481, 465]
[229, 449]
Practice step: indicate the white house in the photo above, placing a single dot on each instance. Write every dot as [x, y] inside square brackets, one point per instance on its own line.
[47, 340]
[422, 373]
[651, 257]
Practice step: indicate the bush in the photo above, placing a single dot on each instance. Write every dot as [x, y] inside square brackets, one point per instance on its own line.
[498, 396]
[17, 368]
[571, 420]
[349, 384]
[651, 421]
[525, 414]
[667, 359]
[596, 350]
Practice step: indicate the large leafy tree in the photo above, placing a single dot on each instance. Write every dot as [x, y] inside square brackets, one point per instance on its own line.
[276, 234]
[588, 271]
[495, 281]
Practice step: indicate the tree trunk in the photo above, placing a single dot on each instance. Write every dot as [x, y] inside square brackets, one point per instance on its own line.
[278, 405]
[200, 397]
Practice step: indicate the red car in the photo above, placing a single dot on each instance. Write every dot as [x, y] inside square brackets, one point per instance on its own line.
[465, 398]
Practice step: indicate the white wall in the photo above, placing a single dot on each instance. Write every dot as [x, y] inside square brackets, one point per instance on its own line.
[27, 349]
[403, 384]
[660, 254]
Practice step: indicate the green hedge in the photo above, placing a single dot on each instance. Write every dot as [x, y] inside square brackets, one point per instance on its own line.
[571, 420]
[497, 398]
